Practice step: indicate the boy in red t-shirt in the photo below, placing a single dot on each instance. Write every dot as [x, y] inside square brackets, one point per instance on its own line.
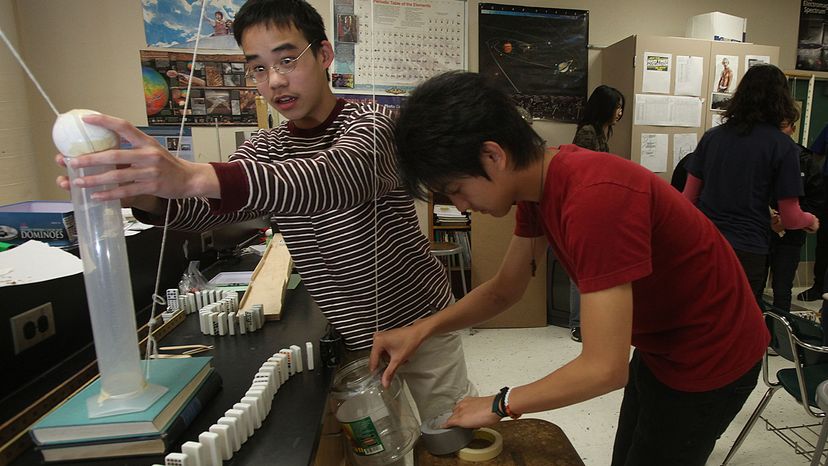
[653, 271]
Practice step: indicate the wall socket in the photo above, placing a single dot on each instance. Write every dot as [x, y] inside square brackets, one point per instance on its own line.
[33, 326]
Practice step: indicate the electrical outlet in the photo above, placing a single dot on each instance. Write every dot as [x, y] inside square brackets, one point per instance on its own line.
[33, 326]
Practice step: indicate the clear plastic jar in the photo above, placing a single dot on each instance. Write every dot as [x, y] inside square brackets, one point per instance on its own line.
[379, 422]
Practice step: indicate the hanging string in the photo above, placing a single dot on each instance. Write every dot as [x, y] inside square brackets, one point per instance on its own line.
[156, 298]
[28, 72]
[376, 178]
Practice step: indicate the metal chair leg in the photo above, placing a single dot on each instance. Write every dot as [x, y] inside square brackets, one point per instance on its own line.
[823, 433]
[749, 425]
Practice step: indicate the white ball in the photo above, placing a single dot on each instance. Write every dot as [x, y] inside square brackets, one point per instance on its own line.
[73, 137]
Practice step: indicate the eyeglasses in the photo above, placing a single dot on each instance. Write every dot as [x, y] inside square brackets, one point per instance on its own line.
[261, 74]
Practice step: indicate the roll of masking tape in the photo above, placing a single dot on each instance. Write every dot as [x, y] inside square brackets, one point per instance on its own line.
[477, 455]
[439, 441]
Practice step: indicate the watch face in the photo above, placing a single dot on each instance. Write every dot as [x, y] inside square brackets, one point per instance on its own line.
[7, 233]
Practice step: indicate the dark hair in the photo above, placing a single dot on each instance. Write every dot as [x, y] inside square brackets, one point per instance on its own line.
[442, 127]
[282, 14]
[600, 108]
[762, 97]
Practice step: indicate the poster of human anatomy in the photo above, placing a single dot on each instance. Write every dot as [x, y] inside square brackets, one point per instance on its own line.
[174, 23]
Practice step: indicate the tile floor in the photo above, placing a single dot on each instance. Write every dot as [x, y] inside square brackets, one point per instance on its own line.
[497, 357]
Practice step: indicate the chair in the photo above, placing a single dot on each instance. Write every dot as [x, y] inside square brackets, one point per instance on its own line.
[822, 402]
[452, 252]
[798, 340]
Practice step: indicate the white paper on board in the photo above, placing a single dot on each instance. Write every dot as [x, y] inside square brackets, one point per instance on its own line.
[683, 144]
[654, 152]
[667, 110]
[689, 71]
[657, 73]
[753, 60]
[686, 111]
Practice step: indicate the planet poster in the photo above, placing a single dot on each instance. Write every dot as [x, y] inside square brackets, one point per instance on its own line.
[220, 93]
[538, 56]
[174, 23]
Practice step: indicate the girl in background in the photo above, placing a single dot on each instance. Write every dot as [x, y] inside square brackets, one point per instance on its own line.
[604, 108]
[742, 166]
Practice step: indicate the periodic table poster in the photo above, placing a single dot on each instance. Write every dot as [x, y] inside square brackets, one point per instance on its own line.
[391, 46]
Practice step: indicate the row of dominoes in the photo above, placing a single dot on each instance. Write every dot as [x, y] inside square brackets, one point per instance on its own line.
[225, 318]
[227, 435]
[192, 302]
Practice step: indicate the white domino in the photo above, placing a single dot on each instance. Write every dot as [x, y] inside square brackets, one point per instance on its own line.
[210, 442]
[234, 430]
[196, 452]
[309, 354]
[225, 441]
[250, 415]
[257, 404]
[245, 426]
[291, 365]
[297, 357]
[178, 459]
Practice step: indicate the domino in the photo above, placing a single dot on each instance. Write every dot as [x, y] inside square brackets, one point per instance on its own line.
[245, 426]
[210, 443]
[234, 430]
[225, 442]
[178, 459]
[309, 354]
[297, 357]
[264, 403]
[221, 320]
[196, 452]
[242, 322]
[257, 404]
[251, 410]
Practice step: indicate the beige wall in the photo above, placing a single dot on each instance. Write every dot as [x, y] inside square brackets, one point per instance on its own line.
[85, 52]
[18, 171]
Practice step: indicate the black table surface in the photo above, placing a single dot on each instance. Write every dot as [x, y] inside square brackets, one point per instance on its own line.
[290, 433]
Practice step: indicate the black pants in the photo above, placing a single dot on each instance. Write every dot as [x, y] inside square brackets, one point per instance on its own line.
[660, 426]
[756, 269]
[821, 257]
[784, 260]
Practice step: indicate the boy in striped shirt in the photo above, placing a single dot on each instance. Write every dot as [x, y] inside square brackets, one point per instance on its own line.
[327, 177]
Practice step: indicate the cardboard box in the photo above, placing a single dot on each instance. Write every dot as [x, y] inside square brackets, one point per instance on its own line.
[717, 26]
[49, 221]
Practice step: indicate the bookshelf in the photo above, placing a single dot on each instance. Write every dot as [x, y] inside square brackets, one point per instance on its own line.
[447, 225]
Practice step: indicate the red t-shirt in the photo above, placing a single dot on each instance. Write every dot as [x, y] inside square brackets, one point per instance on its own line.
[610, 221]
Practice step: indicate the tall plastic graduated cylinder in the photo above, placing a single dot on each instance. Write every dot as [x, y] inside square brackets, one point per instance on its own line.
[106, 276]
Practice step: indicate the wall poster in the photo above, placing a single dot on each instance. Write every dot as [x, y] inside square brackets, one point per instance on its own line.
[220, 92]
[538, 55]
[813, 38]
[390, 46]
[174, 23]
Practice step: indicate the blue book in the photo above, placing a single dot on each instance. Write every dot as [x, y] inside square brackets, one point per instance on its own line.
[140, 445]
[70, 422]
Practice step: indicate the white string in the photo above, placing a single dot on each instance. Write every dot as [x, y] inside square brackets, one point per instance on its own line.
[28, 72]
[151, 344]
[376, 179]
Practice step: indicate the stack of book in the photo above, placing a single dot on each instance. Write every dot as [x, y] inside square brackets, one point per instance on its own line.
[67, 433]
[450, 215]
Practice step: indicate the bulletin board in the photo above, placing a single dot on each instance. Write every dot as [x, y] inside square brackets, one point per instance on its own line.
[390, 46]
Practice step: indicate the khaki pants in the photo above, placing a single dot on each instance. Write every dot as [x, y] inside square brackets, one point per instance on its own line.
[435, 375]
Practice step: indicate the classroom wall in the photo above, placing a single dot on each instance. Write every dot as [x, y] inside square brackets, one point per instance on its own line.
[85, 52]
[18, 171]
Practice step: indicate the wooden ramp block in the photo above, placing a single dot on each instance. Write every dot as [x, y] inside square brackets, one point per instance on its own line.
[270, 279]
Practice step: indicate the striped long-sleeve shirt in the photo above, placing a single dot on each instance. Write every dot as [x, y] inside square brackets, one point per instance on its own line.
[334, 192]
